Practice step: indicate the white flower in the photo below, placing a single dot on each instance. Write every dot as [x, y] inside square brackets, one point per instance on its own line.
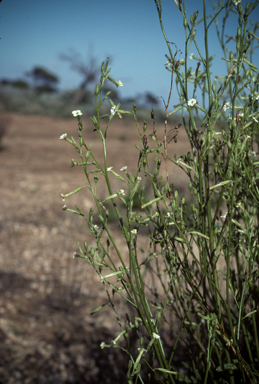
[253, 154]
[76, 113]
[62, 137]
[241, 114]
[169, 215]
[255, 119]
[155, 336]
[122, 192]
[120, 84]
[236, 2]
[113, 110]
[227, 106]
[109, 169]
[192, 102]
[191, 56]
[124, 168]
[134, 231]
[256, 96]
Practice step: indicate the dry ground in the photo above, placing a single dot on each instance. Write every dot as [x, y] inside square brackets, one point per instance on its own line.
[46, 332]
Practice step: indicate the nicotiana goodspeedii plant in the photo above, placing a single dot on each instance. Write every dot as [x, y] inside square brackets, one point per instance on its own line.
[192, 289]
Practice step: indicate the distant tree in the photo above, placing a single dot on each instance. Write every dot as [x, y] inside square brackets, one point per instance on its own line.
[5, 82]
[19, 83]
[43, 80]
[88, 70]
[150, 98]
[127, 102]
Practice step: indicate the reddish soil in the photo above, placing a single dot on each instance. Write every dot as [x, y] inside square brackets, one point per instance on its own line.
[47, 334]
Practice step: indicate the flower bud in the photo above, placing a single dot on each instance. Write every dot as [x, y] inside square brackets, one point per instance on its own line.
[248, 8]
[96, 89]
[106, 64]
[240, 9]
[248, 73]
[94, 120]
[193, 18]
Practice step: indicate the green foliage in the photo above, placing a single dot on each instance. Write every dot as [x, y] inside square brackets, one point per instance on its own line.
[27, 101]
[192, 290]
[19, 83]
[43, 80]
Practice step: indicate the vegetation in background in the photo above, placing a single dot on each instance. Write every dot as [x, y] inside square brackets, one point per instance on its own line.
[5, 122]
[40, 95]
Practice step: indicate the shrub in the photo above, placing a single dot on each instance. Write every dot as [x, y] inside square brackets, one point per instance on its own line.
[192, 289]
[5, 121]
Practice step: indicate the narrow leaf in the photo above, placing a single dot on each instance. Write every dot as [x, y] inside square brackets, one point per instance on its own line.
[166, 371]
[199, 234]
[97, 309]
[250, 313]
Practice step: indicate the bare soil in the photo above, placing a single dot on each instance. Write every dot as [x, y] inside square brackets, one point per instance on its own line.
[47, 334]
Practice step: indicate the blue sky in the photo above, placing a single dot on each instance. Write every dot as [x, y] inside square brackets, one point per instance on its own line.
[36, 33]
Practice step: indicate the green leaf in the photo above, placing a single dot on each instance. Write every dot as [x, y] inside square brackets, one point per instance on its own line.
[166, 371]
[226, 366]
[98, 308]
[199, 234]
[220, 184]
[250, 313]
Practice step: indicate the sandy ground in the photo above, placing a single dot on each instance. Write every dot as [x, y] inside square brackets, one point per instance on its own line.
[47, 334]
